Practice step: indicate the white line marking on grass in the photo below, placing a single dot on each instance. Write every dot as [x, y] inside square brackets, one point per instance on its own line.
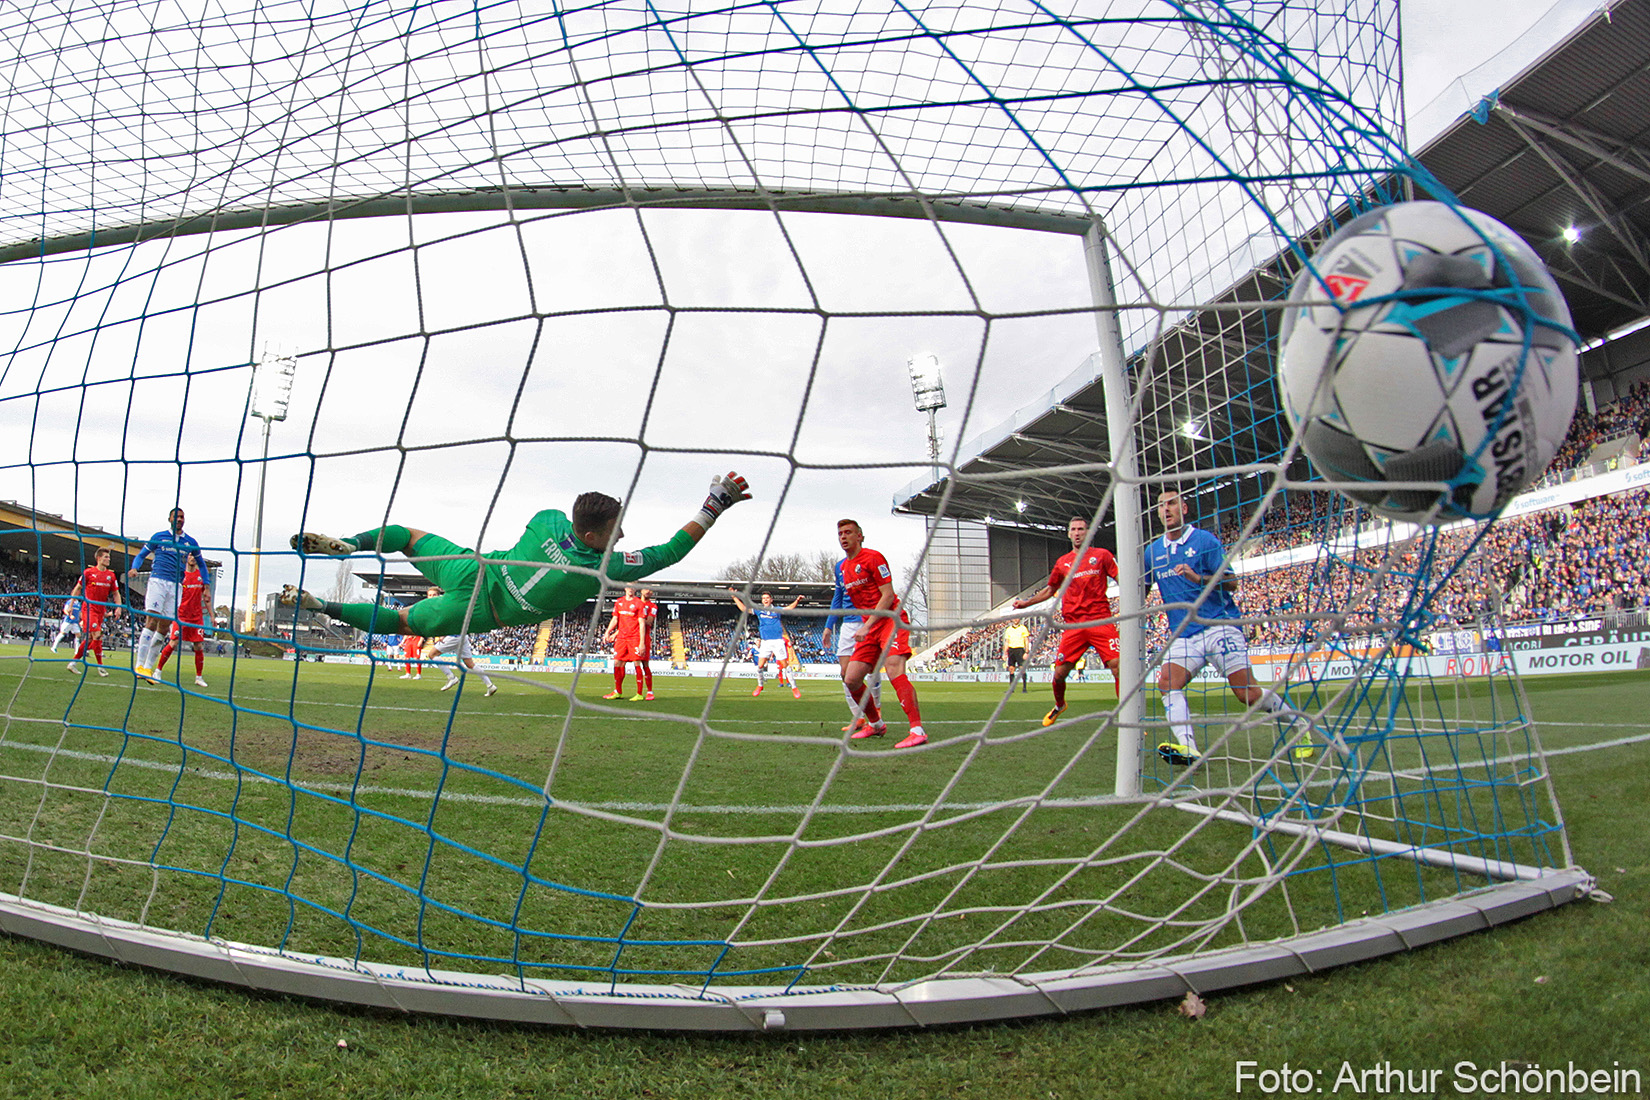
[508, 800]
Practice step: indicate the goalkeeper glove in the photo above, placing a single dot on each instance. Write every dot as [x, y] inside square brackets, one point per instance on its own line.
[726, 490]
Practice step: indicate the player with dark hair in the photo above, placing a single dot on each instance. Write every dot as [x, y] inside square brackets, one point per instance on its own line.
[188, 628]
[883, 641]
[169, 552]
[770, 633]
[1181, 562]
[1085, 601]
[95, 590]
[558, 564]
[649, 616]
[624, 634]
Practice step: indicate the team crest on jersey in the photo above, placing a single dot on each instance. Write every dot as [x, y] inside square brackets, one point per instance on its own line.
[633, 557]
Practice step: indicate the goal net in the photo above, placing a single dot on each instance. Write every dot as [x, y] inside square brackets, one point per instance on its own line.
[516, 251]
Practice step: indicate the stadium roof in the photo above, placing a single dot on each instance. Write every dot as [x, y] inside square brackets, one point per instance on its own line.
[67, 543]
[1566, 143]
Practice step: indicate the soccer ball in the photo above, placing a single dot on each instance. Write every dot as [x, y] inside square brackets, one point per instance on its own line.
[1447, 355]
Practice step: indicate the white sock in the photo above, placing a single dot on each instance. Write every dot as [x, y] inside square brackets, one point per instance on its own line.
[1270, 701]
[1180, 717]
[875, 680]
[146, 647]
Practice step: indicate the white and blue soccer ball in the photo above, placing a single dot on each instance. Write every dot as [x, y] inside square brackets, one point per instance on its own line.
[1447, 355]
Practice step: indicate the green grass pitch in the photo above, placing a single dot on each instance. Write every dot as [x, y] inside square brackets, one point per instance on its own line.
[308, 773]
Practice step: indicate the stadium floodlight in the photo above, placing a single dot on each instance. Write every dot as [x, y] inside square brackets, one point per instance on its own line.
[928, 391]
[1571, 234]
[271, 397]
[927, 386]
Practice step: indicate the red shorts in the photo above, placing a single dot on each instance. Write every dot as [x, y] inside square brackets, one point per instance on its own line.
[1074, 643]
[630, 649]
[187, 632]
[873, 636]
[91, 617]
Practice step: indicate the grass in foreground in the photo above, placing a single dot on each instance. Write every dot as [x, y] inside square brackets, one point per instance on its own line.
[81, 1027]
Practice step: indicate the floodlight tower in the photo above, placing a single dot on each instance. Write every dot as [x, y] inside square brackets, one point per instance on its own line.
[271, 394]
[928, 390]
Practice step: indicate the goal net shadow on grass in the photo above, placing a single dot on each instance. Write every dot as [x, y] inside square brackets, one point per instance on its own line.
[313, 832]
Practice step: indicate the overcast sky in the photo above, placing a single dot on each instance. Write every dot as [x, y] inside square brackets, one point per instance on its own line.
[386, 426]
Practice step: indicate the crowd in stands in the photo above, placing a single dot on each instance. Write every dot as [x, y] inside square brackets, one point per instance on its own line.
[20, 604]
[1583, 560]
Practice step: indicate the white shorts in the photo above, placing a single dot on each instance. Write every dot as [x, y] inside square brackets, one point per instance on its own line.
[1222, 646]
[160, 599]
[771, 647]
[847, 638]
[452, 644]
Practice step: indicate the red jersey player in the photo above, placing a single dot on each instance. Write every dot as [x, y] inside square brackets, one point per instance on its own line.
[649, 620]
[624, 633]
[95, 589]
[1085, 601]
[411, 644]
[883, 640]
[191, 617]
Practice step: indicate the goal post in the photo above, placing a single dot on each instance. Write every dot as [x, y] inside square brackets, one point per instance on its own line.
[1126, 510]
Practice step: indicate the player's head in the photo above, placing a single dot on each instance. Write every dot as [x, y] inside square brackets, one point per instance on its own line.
[850, 536]
[1077, 528]
[1171, 509]
[190, 569]
[175, 519]
[647, 593]
[431, 592]
[767, 599]
[596, 520]
[102, 557]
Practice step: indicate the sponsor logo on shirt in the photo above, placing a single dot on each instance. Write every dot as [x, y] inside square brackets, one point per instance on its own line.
[633, 557]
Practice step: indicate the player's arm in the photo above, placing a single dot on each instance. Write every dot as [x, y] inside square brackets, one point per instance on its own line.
[794, 604]
[737, 602]
[1044, 592]
[1038, 596]
[143, 556]
[612, 630]
[726, 490]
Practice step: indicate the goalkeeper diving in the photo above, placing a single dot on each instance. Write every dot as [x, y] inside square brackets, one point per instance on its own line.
[555, 566]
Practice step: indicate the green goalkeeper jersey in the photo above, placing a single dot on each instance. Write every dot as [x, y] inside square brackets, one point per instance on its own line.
[543, 583]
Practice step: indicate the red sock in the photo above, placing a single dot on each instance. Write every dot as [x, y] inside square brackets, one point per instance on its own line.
[868, 703]
[200, 662]
[618, 678]
[647, 672]
[1059, 686]
[165, 652]
[907, 698]
[97, 648]
[80, 653]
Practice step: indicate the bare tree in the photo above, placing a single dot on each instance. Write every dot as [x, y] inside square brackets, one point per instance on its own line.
[780, 567]
[913, 590]
[344, 585]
